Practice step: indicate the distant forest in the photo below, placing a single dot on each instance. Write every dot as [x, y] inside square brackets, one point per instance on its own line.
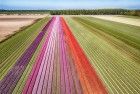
[24, 11]
[75, 12]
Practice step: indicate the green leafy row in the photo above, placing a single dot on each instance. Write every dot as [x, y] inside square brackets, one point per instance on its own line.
[119, 73]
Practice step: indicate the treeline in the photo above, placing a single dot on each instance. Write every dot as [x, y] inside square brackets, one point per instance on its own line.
[89, 12]
[96, 12]
[134, 13]
[24, 11]
[76, 12]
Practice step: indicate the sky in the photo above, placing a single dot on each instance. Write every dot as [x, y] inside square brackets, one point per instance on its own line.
[69, 4]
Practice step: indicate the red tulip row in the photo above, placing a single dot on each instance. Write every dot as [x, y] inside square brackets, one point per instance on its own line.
[89, 80]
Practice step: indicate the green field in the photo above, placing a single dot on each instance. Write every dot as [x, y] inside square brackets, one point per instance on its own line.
[113, 49]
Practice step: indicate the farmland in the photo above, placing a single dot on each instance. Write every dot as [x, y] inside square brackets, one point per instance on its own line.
[72, 55]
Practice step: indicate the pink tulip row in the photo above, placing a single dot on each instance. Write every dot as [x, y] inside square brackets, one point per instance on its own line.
[54, 71]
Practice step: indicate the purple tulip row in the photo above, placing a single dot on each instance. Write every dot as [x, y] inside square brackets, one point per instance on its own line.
[8, 83]
[32, 79]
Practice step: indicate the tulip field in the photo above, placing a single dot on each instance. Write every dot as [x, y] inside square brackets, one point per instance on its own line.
[72, 55]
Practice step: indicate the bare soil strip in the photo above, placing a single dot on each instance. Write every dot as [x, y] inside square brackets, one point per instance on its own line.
[121, 19]
[9, 24]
